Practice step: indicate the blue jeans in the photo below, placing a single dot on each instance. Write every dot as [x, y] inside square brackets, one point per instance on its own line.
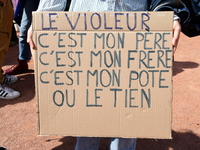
[24, 48]
[92, 143]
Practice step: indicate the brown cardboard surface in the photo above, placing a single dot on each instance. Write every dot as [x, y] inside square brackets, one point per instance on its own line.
[99, 77]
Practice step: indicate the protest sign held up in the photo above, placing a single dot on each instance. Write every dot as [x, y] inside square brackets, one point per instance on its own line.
[106, 74]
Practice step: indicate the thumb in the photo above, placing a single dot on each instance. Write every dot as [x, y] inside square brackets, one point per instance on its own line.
[30, 38]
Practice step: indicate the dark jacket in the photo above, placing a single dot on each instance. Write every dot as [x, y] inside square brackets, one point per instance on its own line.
[187, 10]
[171, 5]
[191, 27]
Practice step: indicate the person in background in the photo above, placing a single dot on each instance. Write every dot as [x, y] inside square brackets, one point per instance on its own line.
[6, 22]
[92, 143]
[23, 17]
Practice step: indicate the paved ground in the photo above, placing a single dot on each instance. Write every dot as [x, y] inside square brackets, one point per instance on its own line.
[18, 121]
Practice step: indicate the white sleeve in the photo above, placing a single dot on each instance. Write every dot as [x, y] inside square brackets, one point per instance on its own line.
[52, 5]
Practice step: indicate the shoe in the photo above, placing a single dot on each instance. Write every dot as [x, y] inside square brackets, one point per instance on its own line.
[21, 66]
[8, 93]
[7, 79]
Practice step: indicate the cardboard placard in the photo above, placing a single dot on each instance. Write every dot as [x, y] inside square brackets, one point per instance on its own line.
[104, 74]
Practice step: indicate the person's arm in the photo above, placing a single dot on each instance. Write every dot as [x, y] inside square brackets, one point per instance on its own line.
[176, 34]
[46, 5]
[181, 14]
[30, 37]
